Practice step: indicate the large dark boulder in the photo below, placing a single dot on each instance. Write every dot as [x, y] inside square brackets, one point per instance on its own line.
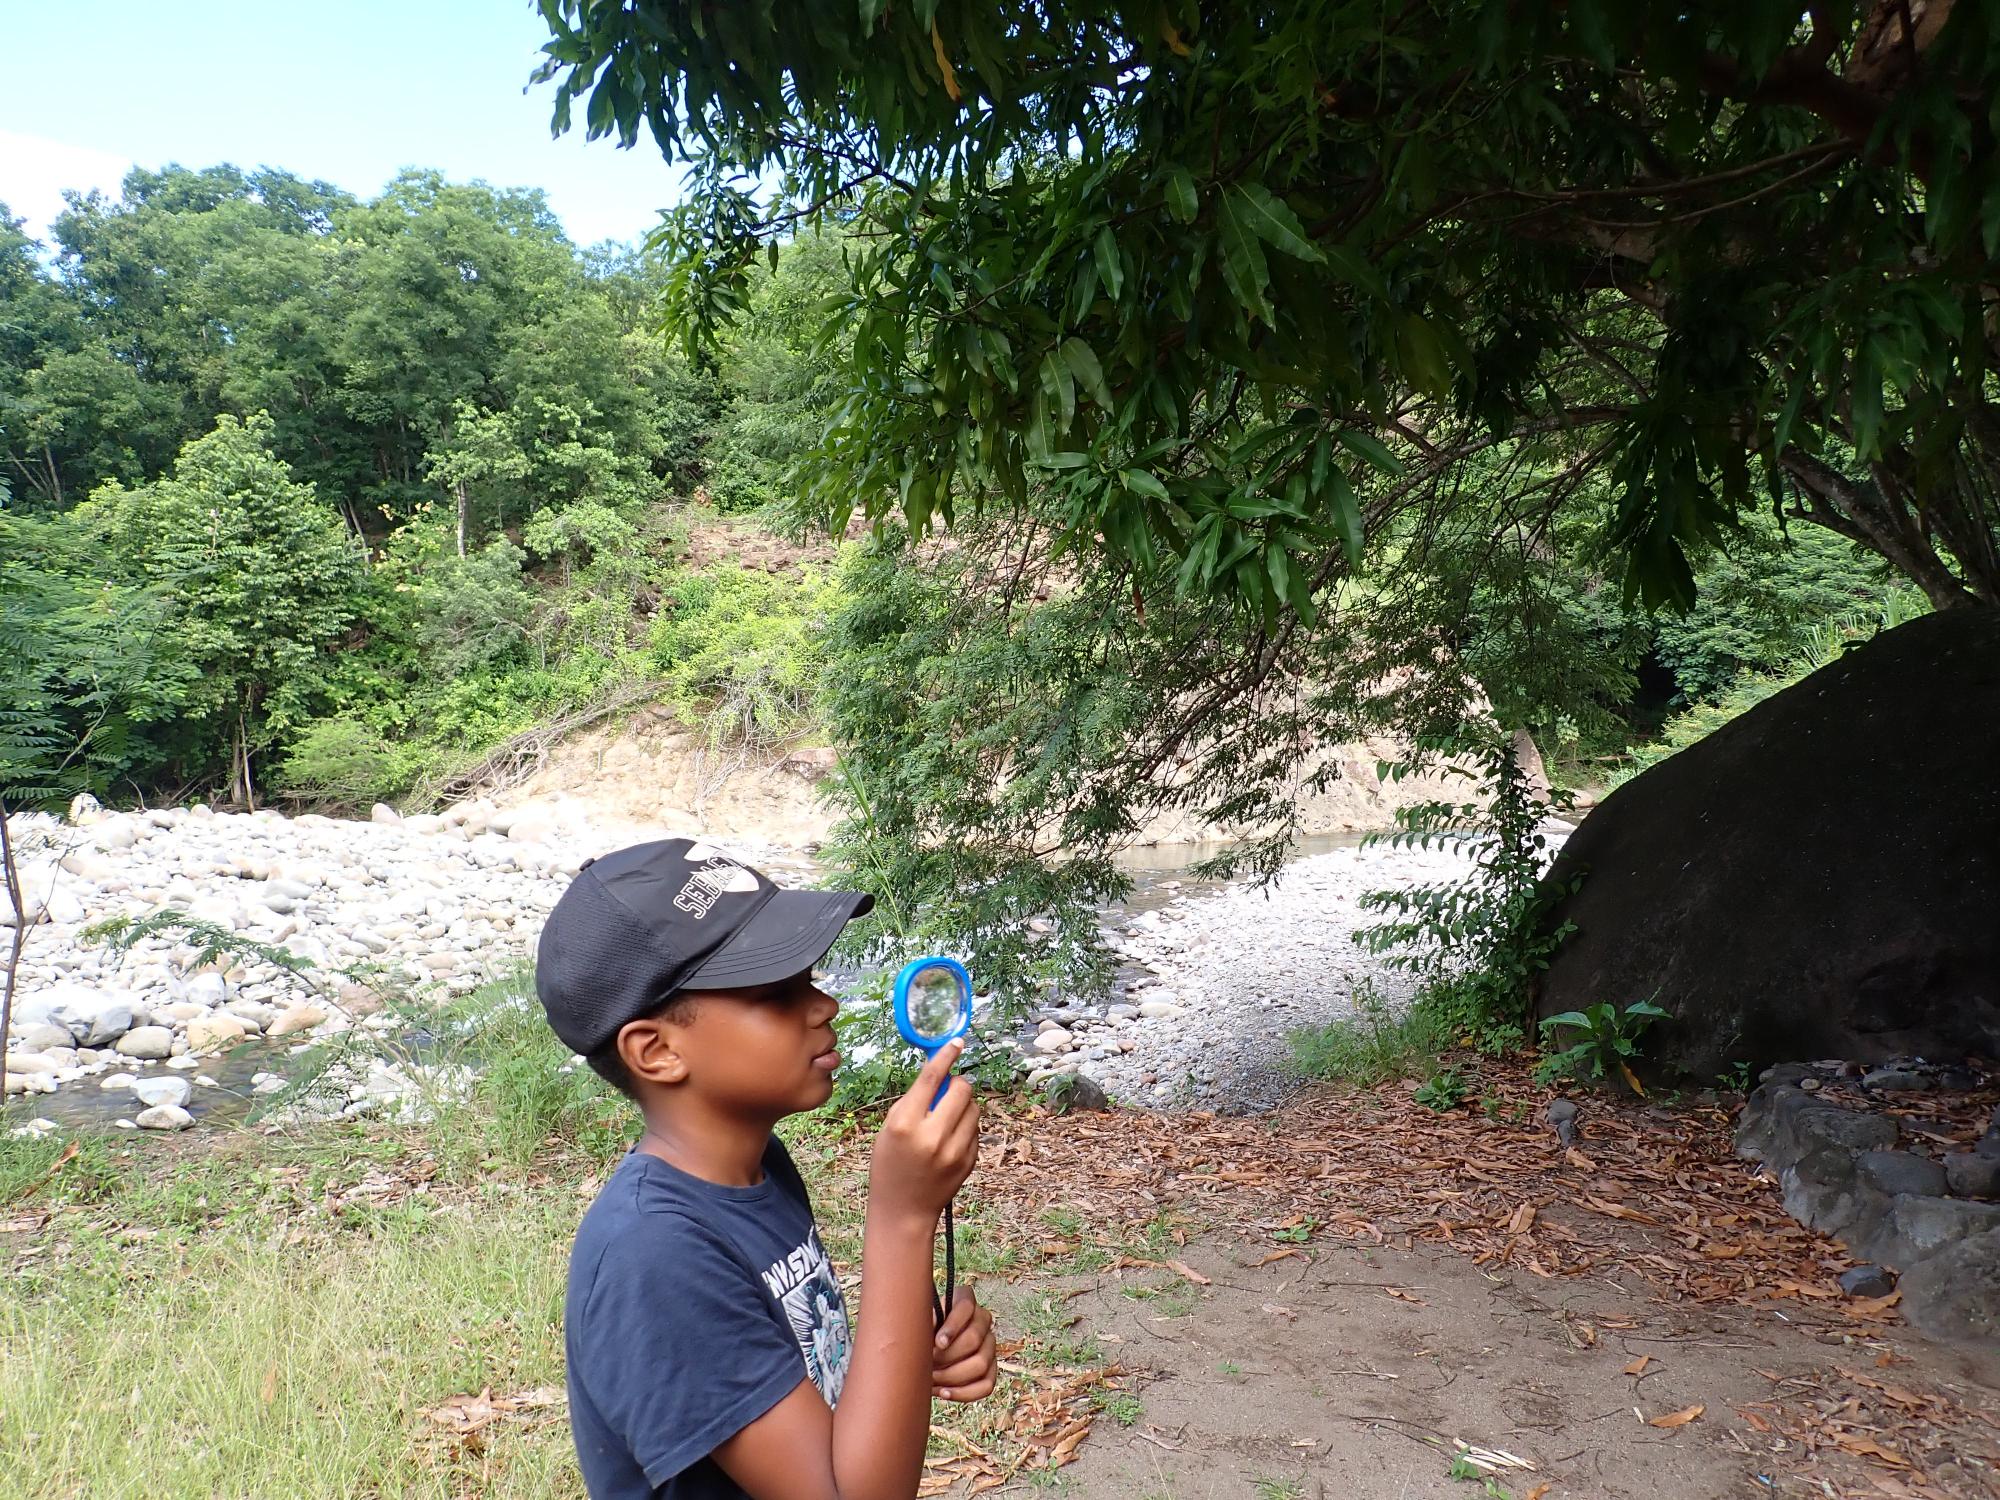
[1818, 878]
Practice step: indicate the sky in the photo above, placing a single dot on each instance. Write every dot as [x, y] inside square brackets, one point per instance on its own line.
[350, 92]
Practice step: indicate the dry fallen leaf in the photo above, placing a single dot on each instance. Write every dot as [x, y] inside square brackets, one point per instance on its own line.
[1280, 1312]
[1677, 1418]
[1638, 1366]
[1276, 1255]
[1539, 1490]
[269, 1393]
[1180, 1268]
[1523, 1220]
[1402, 1296]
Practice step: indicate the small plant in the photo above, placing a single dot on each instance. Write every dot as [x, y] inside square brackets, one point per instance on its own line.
[1496, 1108]
[1374, 1045]
[1121, 1406]
[1609, 1038]
[1280, 1489]
[1444, 1090]
[1296, 1234]
[1736, 1080]
[1229, 1367]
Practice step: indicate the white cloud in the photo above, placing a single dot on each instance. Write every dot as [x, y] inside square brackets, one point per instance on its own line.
[34, 171]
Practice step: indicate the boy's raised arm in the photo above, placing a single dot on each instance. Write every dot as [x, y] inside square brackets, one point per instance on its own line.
[872, 1448]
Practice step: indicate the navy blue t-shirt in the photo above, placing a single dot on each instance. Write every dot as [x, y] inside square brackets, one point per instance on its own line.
[692, 1310]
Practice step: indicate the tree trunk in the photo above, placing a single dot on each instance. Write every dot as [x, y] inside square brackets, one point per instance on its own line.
[241, 788]
[20, 910]
[463, 504]
[1863, 513]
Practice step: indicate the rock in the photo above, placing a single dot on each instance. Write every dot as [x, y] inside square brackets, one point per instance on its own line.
[212, 1032]
[1973, 1174]
[164, 1089]
[61, 905]
[115, 833]
[85, 810]
[1054, 1039]
[39, 1036]
[31, 1065]
[300, 1017]
[209, 988]
[117, 1080]
[1158, 1010]
[1698, 894]
[1897, 1081]
[164, 1117]
[1077, 1092]
[147, 1042]
[1867, 1281]
[1928, 1223]
[183, 1060]
[383, 813]
[1955, 1293]
[1894, 1172]
[1561, 1115]
[103, 1023]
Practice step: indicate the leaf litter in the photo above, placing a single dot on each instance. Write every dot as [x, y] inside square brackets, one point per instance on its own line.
[1653, 1200]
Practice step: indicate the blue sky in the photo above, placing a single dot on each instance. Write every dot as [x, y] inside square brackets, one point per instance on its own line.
[351, 92]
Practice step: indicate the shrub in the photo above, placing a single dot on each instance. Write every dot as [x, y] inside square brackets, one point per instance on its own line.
[342, 763]
[1608, 1039]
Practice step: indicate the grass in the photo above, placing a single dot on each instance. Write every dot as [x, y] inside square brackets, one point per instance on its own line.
[244, 1325]
[1372, 1047]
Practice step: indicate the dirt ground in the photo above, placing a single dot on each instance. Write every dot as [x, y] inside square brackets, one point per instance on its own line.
[1355, 1296]
[1344, 1370]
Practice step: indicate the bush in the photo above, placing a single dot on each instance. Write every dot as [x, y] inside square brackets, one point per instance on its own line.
[1371, 1047]
[741, 653]
[342, 763]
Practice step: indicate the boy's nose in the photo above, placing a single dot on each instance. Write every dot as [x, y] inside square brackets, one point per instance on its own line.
[824, 1007]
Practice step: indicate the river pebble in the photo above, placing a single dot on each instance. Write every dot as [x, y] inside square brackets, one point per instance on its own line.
[1216, 982]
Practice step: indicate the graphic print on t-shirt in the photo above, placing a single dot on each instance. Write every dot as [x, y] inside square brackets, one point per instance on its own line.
[804, 1284]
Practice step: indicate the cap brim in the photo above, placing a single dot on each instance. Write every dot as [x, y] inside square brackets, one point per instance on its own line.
[788, 935]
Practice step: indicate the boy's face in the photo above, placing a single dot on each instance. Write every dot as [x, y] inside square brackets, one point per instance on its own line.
[759, 1053]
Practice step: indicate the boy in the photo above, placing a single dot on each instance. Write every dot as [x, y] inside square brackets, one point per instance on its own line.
[708, 1347]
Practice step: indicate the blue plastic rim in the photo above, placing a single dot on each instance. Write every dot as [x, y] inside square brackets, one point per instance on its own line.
[900, 1002]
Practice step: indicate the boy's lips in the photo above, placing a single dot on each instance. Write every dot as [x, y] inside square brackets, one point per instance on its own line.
[827, 1060]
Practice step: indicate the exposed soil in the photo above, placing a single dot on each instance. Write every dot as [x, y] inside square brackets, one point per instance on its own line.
[1344, 1295]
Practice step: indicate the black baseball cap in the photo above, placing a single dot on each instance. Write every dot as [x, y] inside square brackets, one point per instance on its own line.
[638, 925]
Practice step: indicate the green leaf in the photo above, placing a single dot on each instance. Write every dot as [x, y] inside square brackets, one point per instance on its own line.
[1082, 361]
[1275, 223]
[1346, 516]
[1244, 269]
[1371, 450]
[1183, 201]
[1110, 268]
[1061, 387]
[1422, 357]
[1142, 482]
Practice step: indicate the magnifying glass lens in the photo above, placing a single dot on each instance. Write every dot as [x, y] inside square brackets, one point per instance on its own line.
[936, 1002]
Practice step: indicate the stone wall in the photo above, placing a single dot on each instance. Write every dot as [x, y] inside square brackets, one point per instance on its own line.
[1853, 1171]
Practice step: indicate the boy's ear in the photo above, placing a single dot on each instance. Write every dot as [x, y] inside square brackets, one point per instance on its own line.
[650, 1050]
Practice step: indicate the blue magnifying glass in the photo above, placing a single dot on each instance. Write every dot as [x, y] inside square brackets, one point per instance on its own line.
[932, 1000]
[933, 1005]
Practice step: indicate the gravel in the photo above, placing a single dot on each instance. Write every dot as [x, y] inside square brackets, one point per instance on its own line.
[1220, 979]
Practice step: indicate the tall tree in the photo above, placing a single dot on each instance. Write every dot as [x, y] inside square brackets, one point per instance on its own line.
[260, 572]
[1190, 270]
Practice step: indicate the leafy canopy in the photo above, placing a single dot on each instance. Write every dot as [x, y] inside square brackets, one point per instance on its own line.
[1228, 285]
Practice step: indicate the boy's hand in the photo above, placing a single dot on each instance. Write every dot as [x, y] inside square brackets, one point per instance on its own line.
[964, 1361]
[923, 1155]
